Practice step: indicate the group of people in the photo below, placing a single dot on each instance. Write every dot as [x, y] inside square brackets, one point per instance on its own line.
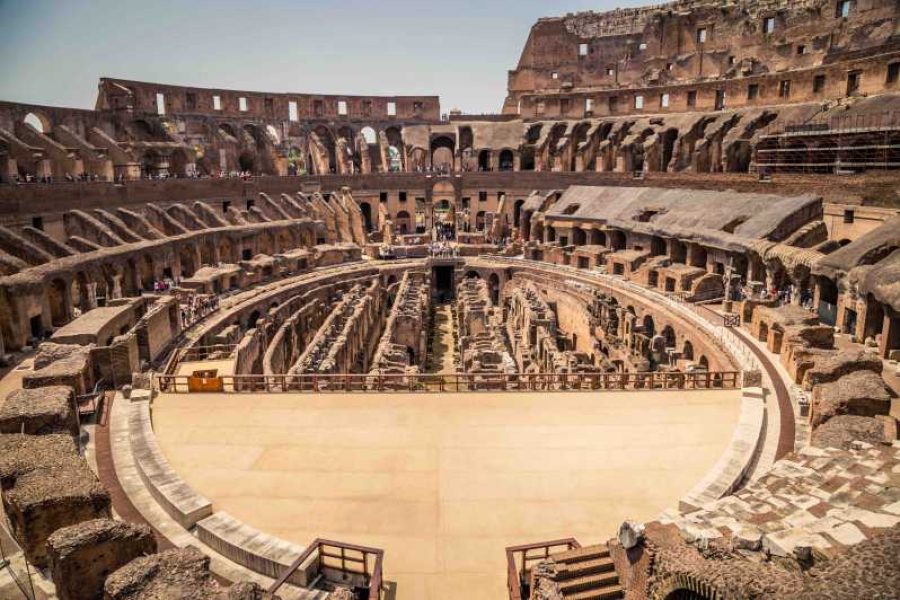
[164, 285]
[443, 249]
[196, 306]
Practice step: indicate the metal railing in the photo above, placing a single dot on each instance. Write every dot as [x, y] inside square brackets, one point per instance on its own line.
[350, 560]
[528, 554]
[10, 552]
[451, 382]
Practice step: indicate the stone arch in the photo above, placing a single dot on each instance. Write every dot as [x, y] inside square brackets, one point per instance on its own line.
[366, 209]
[147, 272]
[484, 160]
[396, 160]
[443, 148]
[687, 351]
[579, 237]
[187, 259]
[517, 212]
[247, 161]
[703, 362]
[473, 275]
[369, 135]
[506, 161]
[649, 327]
[403, 221]
[58, 297]
[669, 335]
[616, 239]
[39, 121]
[597, 238]
[327, 139]
[494, 285]
[667, 148]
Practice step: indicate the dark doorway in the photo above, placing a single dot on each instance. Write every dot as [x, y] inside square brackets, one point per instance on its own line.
[37, 327]
[443, 282]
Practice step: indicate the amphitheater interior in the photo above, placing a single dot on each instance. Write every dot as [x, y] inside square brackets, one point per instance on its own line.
[636, 336]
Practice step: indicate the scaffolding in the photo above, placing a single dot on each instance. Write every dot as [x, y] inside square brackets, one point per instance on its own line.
[836, 144]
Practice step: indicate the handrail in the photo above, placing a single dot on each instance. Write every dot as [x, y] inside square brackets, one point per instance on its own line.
[514, 575]
[451, 382]
[320, 546]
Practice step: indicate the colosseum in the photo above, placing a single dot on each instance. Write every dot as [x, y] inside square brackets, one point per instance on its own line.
[635, 336]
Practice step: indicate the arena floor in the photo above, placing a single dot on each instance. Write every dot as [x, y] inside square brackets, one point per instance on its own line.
[444, 482]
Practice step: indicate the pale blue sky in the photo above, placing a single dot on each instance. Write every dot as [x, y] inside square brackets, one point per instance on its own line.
[54, 52]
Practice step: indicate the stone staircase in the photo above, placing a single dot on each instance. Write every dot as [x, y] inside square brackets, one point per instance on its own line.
[588, 574]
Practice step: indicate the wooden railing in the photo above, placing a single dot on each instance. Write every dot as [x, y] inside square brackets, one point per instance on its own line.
[348, 559]
[459, 382]
[517, 570]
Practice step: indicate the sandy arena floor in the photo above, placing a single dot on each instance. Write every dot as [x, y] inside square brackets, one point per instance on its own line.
[444, 482]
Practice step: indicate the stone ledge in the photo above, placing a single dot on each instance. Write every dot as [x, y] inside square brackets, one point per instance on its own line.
[177, 498]
[249, 547]
[738, 458]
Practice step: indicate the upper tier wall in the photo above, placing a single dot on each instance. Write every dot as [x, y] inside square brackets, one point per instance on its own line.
[688, 43]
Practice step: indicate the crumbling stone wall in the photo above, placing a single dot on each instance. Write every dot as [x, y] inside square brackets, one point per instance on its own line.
[402, 347]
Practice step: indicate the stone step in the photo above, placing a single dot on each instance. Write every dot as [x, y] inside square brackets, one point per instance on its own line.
[582, 554]
[589, 582]
[582, 568]
[609, 592]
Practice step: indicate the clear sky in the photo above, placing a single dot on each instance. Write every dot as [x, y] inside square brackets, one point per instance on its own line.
[54, 52]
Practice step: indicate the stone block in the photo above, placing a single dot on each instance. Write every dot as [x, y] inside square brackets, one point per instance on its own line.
[82, 556]
[40, 411]
[860, 393]
[179, 573]
[46, 486]
[842, 430]
[831, 366]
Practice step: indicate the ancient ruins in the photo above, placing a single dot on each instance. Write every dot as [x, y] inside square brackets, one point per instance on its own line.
[305, 346]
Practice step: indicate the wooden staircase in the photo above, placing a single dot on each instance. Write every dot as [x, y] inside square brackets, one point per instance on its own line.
[588, 574]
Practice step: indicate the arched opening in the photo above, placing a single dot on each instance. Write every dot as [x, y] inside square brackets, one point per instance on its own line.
[395, 149]
[617, 239]
[517, 212]
[704, 363]
[494, 282]
[253, 319]
[272, 134]
[366, 209]
[687, 351]
[326, 144]
[484, 160]
[403, 223]
[526, 159]
[657, 246]
[669, 335]
[247, 161]
[479, 221]
[442, 150]
[147, 272]
[506, 160]
[369, 135]
[38, 121]
[473, 275]
[698, 258]
[649, 326]
[667, 144]
[59, 302]
[597, 238]
[550, 233]
[186, 258]
[579, 238]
